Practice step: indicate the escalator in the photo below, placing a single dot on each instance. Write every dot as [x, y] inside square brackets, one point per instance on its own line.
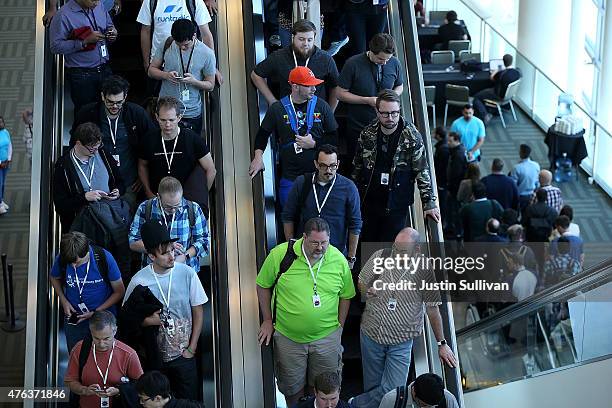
[552, 349]
[403, 28]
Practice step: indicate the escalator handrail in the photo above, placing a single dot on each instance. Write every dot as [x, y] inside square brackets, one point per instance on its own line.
[592, 277]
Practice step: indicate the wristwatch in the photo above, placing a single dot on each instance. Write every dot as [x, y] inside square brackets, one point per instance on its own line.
[442, 343]
[351, 259]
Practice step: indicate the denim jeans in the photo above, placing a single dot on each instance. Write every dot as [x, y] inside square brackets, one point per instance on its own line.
[362, 27]
[3, 174]
[385, 367]
[75, 333]
[85, 84]
[283, 190]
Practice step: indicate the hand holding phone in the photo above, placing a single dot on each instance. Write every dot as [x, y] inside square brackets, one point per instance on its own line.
[73, 319]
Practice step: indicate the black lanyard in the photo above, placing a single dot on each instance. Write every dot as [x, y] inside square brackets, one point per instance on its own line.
[189, 60]
[94, 23]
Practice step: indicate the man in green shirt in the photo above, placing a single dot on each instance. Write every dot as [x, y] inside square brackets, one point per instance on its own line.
[312, 301]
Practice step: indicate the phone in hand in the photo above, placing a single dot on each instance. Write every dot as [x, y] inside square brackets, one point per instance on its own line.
[179, 77]
[73, 319]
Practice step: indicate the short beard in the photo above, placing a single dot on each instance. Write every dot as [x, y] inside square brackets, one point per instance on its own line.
[299, 52]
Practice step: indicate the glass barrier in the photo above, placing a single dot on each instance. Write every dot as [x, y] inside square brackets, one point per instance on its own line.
[571, 330]
[538, 94]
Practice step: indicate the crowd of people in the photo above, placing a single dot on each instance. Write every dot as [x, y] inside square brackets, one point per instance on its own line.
[131, 193]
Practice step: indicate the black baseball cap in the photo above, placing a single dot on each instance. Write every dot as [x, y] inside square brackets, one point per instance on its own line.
[153, 234]
[429, 388]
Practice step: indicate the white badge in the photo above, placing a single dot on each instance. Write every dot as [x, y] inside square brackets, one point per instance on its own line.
[104, 402]
[116, 157]
[316, 300]
[170, 327]
[375, 2]
[103, 51]
[297, 148]
[185, 95]
[83, 308]
[392, 304]
[384, 179]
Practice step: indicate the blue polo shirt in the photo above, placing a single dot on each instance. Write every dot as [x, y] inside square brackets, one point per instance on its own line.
[526, 174]
[470, 131]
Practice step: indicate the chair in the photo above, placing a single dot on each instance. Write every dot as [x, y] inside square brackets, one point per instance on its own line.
[507, 99]
[466, 55]
[437, 17]
[443, 57]
[457, 46]
[430, 99]
[456, 95]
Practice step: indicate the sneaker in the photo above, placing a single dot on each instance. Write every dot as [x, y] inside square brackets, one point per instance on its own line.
[3, 210]
[4, 205]
[335, 46]
[275, 41]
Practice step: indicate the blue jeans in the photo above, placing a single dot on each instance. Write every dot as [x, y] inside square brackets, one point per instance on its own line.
[283, 190]
[85, 84]
[362, 27]
[75, 333]
[385, 367]
[3, 174]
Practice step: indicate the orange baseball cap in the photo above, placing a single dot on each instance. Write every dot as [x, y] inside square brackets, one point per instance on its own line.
[303, 76]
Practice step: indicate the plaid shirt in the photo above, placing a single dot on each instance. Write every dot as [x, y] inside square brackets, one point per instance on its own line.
[553, 197]
[188, 236]
[560, 267]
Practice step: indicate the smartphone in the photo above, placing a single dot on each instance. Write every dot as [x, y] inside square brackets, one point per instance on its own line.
[179, 77]
[73, 319]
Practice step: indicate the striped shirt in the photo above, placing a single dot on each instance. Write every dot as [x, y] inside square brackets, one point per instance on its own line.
[386, 326]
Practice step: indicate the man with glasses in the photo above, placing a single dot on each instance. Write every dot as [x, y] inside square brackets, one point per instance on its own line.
[427, 390]
[153, 390]
[363, 76]
[330, 196]
[177, 286]
[124, 125]
[312, 285]
[85, 173]
[301, 122]
[186, 67]
[184, 220]
[390, 158]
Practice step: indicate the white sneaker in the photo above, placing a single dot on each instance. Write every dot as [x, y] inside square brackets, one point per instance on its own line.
[335, 46]
[3, 210]
[4, 205]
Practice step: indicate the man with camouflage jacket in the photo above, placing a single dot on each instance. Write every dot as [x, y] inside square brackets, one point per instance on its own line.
[390, 157]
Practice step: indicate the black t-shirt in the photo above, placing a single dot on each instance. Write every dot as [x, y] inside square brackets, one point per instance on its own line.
[360, 76]
[504, 78]
[277, 121]
[450, 32]
[189, 149]
[278, 65]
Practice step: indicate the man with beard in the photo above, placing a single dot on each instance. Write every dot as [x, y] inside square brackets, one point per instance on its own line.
[302, 52]
[312, 287]
[301, 122]
[123, 125]
[330, 196]
[390, 157]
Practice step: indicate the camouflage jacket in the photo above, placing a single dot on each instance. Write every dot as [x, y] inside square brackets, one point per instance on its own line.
[409, 164]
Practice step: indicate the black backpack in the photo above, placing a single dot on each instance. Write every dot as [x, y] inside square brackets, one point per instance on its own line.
[191, 7]
[285, 264]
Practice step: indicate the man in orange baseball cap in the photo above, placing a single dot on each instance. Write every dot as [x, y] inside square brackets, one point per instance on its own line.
[301, 121]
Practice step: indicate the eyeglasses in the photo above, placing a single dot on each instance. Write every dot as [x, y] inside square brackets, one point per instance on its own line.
[114, 103]
[92, 149]
[142, 400]
[317, 244]
[393, 114]
[323, 166]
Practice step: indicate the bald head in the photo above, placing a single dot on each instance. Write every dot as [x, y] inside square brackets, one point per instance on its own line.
[492, 226]
[406, 239]
[545, 178]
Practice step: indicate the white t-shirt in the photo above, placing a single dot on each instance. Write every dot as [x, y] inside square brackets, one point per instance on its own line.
[166, 13]
[524, 284]
[187, 291]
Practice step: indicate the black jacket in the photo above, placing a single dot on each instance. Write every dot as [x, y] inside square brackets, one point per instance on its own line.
[538, 221]
[68, 193]
[441, 156]
[457, 165]
[136, 119]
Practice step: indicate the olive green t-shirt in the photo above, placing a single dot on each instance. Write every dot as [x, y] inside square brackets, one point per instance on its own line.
[296, 316]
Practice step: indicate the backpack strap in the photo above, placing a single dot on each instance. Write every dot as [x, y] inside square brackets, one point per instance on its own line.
[285, 264]
[148, 210]
[152, 7]
[304, 191]
[191, 8]
[167, 45]
[192, 220]
[291, 115]
[400, 397]
[84, 354]
[100, 257]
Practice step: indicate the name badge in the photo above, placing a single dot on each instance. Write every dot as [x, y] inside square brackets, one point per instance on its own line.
[104, 402]
[185, 95]
[83, 308]
[384, 179]
[116, 157]
[316, 300]
[297, 148]
[375, 2]
[103, 51]
[392, 304]
[170, 327]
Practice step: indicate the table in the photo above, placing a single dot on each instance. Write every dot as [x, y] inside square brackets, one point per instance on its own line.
[437, 74]
[559, 143]
[428, 37]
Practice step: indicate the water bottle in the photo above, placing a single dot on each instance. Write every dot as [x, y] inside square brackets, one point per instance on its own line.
[563, 169]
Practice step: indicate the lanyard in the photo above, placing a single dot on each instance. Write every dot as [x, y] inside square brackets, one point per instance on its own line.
[164, 216]
[166, 299]
[314, 277]
[296, 130]
[398, 279]
[78, 166]
[169, 162]
[295, 59]
[113, 133]
[84, 280]
[180, 53]
[94, 23]
[110, 359]
[314, 190]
